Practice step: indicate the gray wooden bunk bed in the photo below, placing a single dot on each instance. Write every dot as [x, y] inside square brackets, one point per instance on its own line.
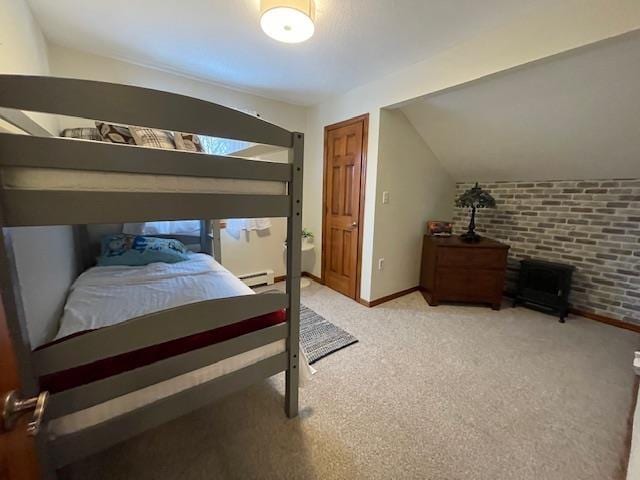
[40, 206]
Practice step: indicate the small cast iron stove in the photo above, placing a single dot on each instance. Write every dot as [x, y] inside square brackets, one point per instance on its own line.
[544, 286]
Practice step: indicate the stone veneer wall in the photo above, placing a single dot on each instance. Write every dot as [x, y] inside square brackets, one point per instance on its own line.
[592, 225]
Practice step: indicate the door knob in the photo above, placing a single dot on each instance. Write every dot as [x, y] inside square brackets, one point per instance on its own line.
[354, 224]
[13, 407]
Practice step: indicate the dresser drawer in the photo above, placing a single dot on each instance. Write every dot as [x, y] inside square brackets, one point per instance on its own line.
[464, 284]
[472, 257]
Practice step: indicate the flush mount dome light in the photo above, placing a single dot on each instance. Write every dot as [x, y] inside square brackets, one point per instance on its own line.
[289, 21]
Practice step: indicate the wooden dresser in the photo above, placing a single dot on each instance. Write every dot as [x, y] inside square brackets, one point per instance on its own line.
[456, 271]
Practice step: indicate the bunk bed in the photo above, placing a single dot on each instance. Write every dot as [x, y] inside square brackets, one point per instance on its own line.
[208, 347]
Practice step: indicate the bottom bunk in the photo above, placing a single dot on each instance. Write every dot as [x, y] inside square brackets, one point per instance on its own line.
[206, 365]
[106, 296]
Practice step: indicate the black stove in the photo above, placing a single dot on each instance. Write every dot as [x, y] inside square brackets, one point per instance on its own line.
[544, 286]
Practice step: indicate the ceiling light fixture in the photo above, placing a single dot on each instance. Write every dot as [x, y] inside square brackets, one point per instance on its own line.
[289, 21]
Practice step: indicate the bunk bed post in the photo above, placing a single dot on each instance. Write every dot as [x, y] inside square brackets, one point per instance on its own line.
[206, 244]
[216, 240]
[294, 252]
[9, 281]
[84, 258]
[11, 302]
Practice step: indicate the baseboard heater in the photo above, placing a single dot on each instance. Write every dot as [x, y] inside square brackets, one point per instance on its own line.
[265, 277]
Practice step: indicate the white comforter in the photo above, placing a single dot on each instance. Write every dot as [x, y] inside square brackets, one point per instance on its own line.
[105, 296]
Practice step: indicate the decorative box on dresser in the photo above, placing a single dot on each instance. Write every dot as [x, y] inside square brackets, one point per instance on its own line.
[457, 271]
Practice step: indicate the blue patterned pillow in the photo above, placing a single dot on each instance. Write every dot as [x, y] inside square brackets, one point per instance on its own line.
[138, 250]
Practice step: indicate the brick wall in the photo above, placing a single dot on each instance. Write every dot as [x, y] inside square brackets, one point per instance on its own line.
[592, 225]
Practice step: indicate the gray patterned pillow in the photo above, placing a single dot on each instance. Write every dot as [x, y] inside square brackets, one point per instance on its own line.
[188, 141]
[115, 133]
[151, 137]
[88, 133]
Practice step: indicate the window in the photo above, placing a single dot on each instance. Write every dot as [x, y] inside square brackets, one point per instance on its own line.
[225, 146]
[222, 146]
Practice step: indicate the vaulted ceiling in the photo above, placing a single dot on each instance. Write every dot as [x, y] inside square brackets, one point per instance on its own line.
[574, 116]
[220, 40]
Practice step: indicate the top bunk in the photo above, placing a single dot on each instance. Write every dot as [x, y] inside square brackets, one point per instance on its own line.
[84, 182]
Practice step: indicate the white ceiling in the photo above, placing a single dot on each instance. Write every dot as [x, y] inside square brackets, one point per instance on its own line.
[221, 41]
[575, 116]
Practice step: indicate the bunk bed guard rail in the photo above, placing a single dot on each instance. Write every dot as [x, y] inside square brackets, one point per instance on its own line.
[138, 106]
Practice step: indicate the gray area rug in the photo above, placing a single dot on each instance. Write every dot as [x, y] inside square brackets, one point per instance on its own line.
[319, 337]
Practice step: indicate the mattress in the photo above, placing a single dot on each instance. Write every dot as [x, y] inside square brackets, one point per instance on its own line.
[62, 179]
[107, 367]
[126, 403]
[105, 296]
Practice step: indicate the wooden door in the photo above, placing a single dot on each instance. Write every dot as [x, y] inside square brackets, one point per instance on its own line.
[18, 457]
[344, 171]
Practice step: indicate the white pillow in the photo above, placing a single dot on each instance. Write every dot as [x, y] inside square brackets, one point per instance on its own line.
[152, 137]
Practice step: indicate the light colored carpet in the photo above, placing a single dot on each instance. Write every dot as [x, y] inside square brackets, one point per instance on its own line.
[446, 392]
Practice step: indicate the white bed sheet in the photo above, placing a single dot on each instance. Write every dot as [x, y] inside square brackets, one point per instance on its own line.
[104, 296]
[60, 179]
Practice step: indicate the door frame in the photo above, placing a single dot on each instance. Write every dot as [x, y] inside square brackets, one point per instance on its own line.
[364, 118]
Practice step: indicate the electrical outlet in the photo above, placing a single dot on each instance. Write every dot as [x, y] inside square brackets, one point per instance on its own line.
[385, 198]
[380, 263]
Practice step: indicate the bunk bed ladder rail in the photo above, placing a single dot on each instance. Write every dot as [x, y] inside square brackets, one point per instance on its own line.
[139, 106]
[294, 253]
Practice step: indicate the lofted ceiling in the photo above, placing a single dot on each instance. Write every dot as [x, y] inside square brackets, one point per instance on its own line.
[573, 116]
[356, 41]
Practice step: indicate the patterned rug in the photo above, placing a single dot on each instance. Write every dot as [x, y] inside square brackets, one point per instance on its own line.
[320, 338]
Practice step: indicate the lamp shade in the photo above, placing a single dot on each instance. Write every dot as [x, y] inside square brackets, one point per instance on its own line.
[289, 21]
[474, 198]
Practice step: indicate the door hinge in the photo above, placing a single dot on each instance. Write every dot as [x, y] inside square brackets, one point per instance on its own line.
[13, 407]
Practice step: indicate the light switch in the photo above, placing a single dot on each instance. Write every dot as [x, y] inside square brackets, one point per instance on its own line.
[385, 198]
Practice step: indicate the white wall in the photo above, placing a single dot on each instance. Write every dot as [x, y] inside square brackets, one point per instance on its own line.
[46, 264]
[23, 48]
[552, 28]
[419, 190]
[554, 119]
[253, 251]
[44, 256]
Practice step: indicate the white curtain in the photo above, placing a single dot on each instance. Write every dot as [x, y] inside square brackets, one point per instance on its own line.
[236, 225]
